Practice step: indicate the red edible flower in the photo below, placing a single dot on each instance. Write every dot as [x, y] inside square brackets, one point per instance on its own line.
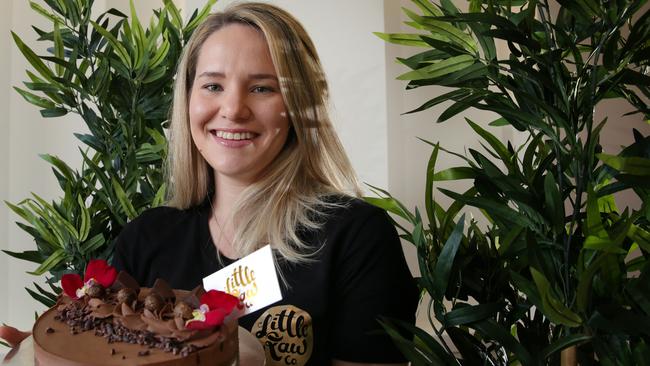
[215, 306]
[98, 271]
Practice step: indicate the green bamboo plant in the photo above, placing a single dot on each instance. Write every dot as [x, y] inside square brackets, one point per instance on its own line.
[117, 75]
[558, 265]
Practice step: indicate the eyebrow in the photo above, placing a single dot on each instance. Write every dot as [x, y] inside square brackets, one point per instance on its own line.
[217, 74]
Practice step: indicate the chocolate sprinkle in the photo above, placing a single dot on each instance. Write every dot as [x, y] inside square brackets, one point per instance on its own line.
[49, 330]
[79, 318]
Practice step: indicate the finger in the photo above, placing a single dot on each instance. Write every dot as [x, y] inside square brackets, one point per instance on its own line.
[12, 335]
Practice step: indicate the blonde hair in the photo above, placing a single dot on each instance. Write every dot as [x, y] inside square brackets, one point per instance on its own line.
[292, 194]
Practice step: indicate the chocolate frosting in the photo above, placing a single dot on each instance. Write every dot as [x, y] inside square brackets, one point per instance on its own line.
[100, 331]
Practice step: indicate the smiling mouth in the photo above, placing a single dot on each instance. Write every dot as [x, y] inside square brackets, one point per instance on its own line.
[234, 136]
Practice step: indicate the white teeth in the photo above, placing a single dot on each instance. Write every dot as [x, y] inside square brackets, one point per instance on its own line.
[234, 136]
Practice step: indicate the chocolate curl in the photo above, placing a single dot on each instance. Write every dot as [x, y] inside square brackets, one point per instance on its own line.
[194, 298]
[124, 280]
[162, 288]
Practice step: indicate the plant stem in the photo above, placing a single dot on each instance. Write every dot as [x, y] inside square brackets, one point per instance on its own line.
[435, 329]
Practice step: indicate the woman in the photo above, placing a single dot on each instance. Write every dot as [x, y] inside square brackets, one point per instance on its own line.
[254, 159]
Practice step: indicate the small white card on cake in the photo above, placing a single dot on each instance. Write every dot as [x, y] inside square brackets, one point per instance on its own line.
[252, 278]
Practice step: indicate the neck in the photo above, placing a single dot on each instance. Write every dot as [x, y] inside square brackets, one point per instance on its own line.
[226, 193]
[222, 228]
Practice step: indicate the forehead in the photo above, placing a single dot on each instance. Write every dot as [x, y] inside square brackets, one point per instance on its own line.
[235, 46]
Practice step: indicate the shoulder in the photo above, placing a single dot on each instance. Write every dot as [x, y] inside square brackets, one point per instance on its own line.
[155, 234]
[347, 209]
[160, 226]
[347, 218]
[162, 217]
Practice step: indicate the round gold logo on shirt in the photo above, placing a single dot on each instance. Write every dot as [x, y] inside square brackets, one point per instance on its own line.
[287, 335]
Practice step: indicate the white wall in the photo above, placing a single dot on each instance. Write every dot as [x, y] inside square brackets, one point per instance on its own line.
[5, 75]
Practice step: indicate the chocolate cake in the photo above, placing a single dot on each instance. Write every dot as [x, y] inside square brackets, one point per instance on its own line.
[123, 324]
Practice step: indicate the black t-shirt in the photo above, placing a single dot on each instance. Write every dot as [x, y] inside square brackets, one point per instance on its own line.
[330, 305]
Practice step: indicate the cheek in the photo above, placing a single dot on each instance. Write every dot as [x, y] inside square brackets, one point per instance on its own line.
[198, 110]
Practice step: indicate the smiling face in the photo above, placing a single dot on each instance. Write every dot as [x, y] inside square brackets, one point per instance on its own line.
[238, 119]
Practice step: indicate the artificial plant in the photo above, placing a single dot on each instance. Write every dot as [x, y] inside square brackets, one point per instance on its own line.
[117, 75]
[557, 265]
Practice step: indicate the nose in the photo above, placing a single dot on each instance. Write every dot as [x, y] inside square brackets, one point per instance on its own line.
[234, 106]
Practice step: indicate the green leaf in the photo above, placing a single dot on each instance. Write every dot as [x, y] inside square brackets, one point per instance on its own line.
[528, 288]
[422, 350]
[564, 342]
[499, 122]
[53, 112]
[42, 291]
[84, 227]
[445, 261]
[35, 99]
[160, 54]
[119, 49]
[453, 95]
[126, 205]
[60, 165]
[154, 75]
[640, 236]
[466, 314]
[404, 39]
[41, 10]
[511, 236]
[496, 208]
[554, 203]
[439, 68]
[463, 104]
[486, 42]
[59, 51]
[92, 244]
[139, 37]
[585, 282]
[46, 220]
[446, 30]
[56, 216]
[603, 244]
[44, 232]
[631, 165]
[553, 308]
[177, 19]
[456, 173]
[594, 222]
[193, 23]
[41, 298]
[427, 8]
[53, 260]
[33, 59]
[428, 193]
[91, 141]
[28, 255]
[159, 199]
[391, 205]
[491, 330]
[493, 141]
